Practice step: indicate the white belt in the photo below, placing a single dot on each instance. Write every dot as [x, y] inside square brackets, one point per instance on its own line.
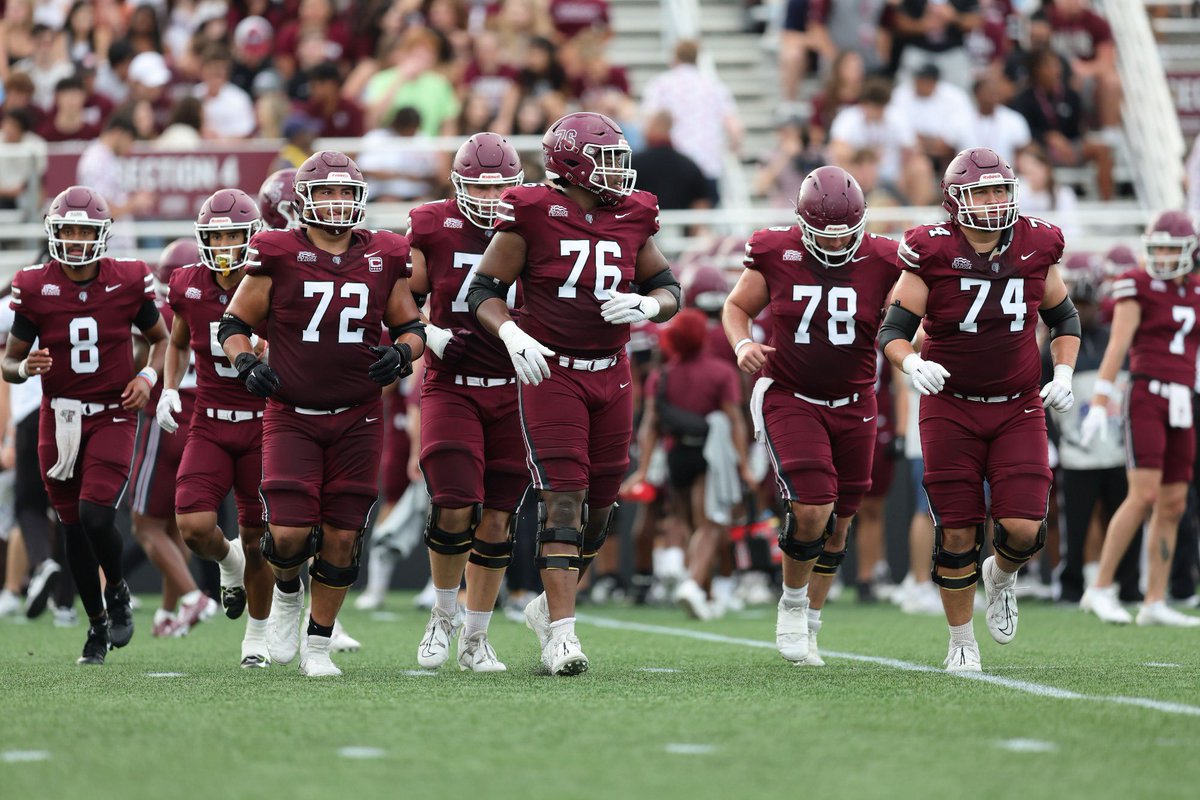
[1000, 398]
[91, 409]
[225, 415]
[321, 412]
[1160, 388]
[588, 364]
[842, 401]
[471, 380]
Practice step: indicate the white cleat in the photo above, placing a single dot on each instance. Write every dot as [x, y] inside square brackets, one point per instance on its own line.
[1104, 604]
[1162, 614]
[963, 658]
[342, 641]
[537, 619]
[255, 654]
[434, 648]
[283, 629]
[998, 588]
[692, 599]
[314, 658]
[923, 598]
[564, 656]
[369, 601]
[814, 654]
[475, 654]
[791, 632]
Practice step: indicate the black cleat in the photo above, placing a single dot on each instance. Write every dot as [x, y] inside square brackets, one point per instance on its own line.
[233, 600]
[97, 644]
[120, 614]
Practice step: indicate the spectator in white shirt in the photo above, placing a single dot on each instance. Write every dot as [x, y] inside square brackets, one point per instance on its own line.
[706, 120]
[48, 64]
[995, 125]
[228, 111]
[937, 111]
[100, 168]
[874, 124]
[397, 174]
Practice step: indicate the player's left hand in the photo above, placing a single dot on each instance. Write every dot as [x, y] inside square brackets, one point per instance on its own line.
[394, 362]
[626, 308]
[136, 394]
[1057, 393]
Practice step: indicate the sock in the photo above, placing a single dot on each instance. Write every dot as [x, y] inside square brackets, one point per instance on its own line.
[289, 586]
[962, 634]
[722, 587]
[380, 565]
[315, 629]
[814, 620]
[84, 570]
[477, 621]
[447, 600]
[256, 628]
[562, 627]
[794, 598]
[231, 567]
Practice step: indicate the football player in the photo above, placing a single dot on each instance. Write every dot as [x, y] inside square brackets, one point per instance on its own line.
[471, 450]
[325, 291]
[1154, 321]
[582, 245]
[223, 444]
[155, 463]
[977, 279]
[826, 283]
[80, 307]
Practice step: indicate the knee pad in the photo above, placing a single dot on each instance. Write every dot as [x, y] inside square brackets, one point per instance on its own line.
[803, 551]
[828, 563]
[267, 546]
[95, 517]
[336, 577]
[571, 536]
[495, 555]
[1000, 542]
[951, 560]
[592, 544]
[451, 544]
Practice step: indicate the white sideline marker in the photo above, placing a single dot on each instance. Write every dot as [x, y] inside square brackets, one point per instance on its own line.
[166, 675]
[684, 749]
[23, 756]
[1027, 745]
[1163, 664]
[663, 670]
[418, 673]
[1029, 687]
[361, 752]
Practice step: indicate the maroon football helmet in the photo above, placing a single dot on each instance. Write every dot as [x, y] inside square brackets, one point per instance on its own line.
[1119, 260]
[488, 161]
[590, 151]
[331, 168]
[277, 200]
[78, 205]
[1169, 245]
[226, 210]
[705, 288]
[831, 205]
[971, 172]
[179, 253]
[1081, 272]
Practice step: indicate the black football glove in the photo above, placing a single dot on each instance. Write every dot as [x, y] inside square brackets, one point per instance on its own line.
[260, 380]
[394, 362]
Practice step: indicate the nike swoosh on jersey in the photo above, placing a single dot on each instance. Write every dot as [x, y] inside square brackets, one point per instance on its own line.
[622, 216]
[113, 288]
[368, 255]
[623, 385]
[868, 419]
[371, 419]
[1030, 410]
[1028, 256]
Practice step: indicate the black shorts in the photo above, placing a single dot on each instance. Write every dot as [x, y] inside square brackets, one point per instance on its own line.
[685, 463]
[796, 16]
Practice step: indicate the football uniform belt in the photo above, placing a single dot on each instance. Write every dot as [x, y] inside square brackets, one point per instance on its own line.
[228, 415]
[841, 401]
[1179, 401]
[471, 380]
[321, 412]
[997, 398]
[589, 364]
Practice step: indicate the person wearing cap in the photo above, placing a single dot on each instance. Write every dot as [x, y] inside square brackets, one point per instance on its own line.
[252, 47]
[148, 78]
[228, 111]
[339, 116]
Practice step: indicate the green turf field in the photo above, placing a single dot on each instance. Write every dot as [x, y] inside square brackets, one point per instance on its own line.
[731, 720]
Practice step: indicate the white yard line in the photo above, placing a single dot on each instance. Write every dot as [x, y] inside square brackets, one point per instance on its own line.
[1028, 687]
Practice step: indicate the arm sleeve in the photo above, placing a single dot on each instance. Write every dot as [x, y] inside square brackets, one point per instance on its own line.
[147, 315]
[23, 328]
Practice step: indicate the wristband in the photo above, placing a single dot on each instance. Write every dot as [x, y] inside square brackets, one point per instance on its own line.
[23, 369]
[149, 375]
[1102, 386]
[737, 348]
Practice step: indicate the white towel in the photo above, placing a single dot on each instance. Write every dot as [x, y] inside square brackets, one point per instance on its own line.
[722, 484]
[404, 525]
[68, 432]
[756, 407]
[656, 469]
[1179, 405]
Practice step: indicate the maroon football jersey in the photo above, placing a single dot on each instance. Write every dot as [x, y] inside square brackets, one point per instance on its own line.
[574, 261]
[87, 328]
[1164, 345]
[326, 312]
[824, 320]
[453, 247]
[981, 317]
[199, 301]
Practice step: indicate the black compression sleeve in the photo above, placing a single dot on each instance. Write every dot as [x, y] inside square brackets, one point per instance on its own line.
[899, 323]
[1062, 320]
[483, 288]
[23, 328]
[147, 315]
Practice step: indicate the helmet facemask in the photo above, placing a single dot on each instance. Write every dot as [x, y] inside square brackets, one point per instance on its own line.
[828, 257]
[340, 215]
[92, 250]
[481, 211]
[1178, 260]
[225, 258]
[613, 175]
[985, 216]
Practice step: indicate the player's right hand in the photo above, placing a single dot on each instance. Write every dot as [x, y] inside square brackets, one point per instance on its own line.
[168, 403]
[527, 353]
[38, 362]
[928, 377]
[752, 357]
[1095, 423]
[258, 377]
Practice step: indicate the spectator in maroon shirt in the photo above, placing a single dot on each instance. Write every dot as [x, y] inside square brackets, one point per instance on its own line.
[487, 76]
[312, 17]
[1085, 40]
[18, 94]
[276, 12]
[66, 121]
[842, 88]
[96, 107]
[339, 116]
[593, 74]
[573, 17]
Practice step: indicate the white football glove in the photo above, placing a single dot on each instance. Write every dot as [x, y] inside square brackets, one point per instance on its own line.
[626, 308]
[437, 338]
[1095, 423]
[1057, 393]
[527, 353]
[928, 377]
[166, 404]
